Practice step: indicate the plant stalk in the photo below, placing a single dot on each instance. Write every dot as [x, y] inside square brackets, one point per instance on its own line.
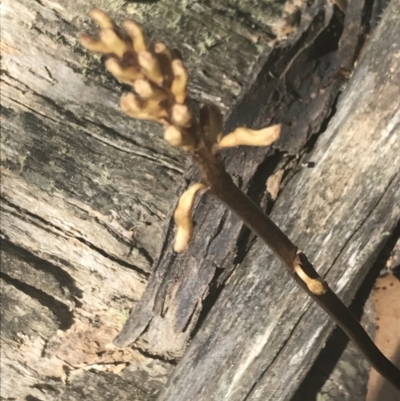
[227, 192]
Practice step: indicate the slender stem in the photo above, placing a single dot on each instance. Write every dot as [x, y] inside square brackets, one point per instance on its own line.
[227, 192]
[336, 309]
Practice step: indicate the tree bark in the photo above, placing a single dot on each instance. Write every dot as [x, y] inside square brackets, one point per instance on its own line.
[86, 190]
[87, 195]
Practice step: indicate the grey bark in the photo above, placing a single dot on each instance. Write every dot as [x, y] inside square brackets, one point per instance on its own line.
[87, 193]
[86, 190]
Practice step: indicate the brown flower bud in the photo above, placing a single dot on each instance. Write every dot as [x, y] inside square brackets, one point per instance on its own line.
[179, 83]
[126, 75]
[183, 216]
[316, 285]
[150, 67]
[143, 110]
[164, 57]
[179, 137]
[245, 136]
[173, 135]
[113, 42]
[92, 44]
[181, 115]
[147, 90]
[101, 18]
[136, 34]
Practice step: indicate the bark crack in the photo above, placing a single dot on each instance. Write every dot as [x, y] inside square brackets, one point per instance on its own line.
[34, 219]
[60, 310]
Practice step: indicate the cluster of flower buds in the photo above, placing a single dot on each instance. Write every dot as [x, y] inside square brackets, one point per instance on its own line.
[157, 75]
[159, 80]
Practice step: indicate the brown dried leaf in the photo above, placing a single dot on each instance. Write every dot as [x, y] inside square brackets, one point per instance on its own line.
[387, 337]
[274, 183]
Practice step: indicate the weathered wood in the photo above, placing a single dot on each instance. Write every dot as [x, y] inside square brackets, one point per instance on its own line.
[71, 269]
[86, 190]
[262, 334]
